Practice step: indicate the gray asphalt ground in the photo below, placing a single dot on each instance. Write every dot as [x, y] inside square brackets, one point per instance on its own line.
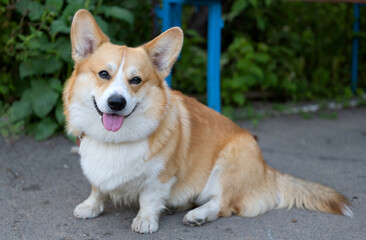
[41, 183]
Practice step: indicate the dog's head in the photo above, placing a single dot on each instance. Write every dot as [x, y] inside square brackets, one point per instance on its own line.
[117, 93]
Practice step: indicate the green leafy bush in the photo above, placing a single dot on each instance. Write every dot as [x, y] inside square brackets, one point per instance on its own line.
[308, 46]
[279, 50]
[189, 73]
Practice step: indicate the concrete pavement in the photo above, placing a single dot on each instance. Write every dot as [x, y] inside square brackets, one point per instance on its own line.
[41, 183]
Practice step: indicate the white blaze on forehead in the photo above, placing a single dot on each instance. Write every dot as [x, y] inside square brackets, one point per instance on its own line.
[119, 84]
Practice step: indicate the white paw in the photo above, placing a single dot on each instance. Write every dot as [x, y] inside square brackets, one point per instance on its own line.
[193, 219]
[144, 225]
[85, 210]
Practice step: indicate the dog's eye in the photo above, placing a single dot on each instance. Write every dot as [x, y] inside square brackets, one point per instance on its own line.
[135, 80]
[104, 75]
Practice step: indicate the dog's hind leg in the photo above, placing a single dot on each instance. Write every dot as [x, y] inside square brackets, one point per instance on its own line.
[208, 212]
[239, 173]
[92, 207]
[209, 199]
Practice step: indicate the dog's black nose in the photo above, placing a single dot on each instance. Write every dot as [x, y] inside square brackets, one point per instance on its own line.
[116, 102]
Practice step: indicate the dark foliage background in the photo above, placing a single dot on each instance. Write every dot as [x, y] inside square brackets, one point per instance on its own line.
[271, 51]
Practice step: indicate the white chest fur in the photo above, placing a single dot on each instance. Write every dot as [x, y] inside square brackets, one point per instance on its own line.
[112, 166]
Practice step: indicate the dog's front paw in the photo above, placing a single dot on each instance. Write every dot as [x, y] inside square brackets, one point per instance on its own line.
[144, 225]
[85, 210]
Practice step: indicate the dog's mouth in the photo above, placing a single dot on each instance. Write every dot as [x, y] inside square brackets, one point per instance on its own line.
[112, 122]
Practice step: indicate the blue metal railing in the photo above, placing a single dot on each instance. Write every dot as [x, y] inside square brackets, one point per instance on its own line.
[356, 30]
[171, 16]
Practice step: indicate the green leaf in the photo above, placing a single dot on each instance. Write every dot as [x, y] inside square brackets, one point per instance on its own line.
[71, 9]
[39, 66]
[261, 57]
[75, 1]
[228, 111]
[256, 71]
[263, 47]
[27, 68]
[59, 26]
[268, 2]
[45, 129]
[261, 24]
[55, 84]
[26, 95]
[44, 42]
[51, 65]
[34, 43]
[237, 81]
[237, 7]
[44, 98]
[55, 5]
[254, 3]
[118, 13]
[194, 36]
[23, 6]
[20, 110]
[63, 46]
[60, 117]
[34, 9]
[249, 80]
[239, 98]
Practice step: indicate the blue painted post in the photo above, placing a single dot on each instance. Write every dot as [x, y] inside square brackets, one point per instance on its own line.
[176, 18]
[214, 51]
[166, 25]
[166, 15]
[172, 13]
[356, 29]
[175, 15]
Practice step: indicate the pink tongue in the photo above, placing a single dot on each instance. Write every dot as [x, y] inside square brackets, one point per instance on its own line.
[112, 122]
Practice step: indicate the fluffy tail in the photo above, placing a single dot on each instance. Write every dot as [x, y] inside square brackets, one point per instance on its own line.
[302, 194]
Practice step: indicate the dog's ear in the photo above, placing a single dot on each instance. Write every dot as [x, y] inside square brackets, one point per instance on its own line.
[164, 49]
[86, 36]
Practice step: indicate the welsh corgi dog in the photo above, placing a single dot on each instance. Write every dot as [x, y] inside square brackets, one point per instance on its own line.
[145, 145]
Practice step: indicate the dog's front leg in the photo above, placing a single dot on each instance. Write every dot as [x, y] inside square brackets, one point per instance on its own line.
[92, 207]
[152, 201]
